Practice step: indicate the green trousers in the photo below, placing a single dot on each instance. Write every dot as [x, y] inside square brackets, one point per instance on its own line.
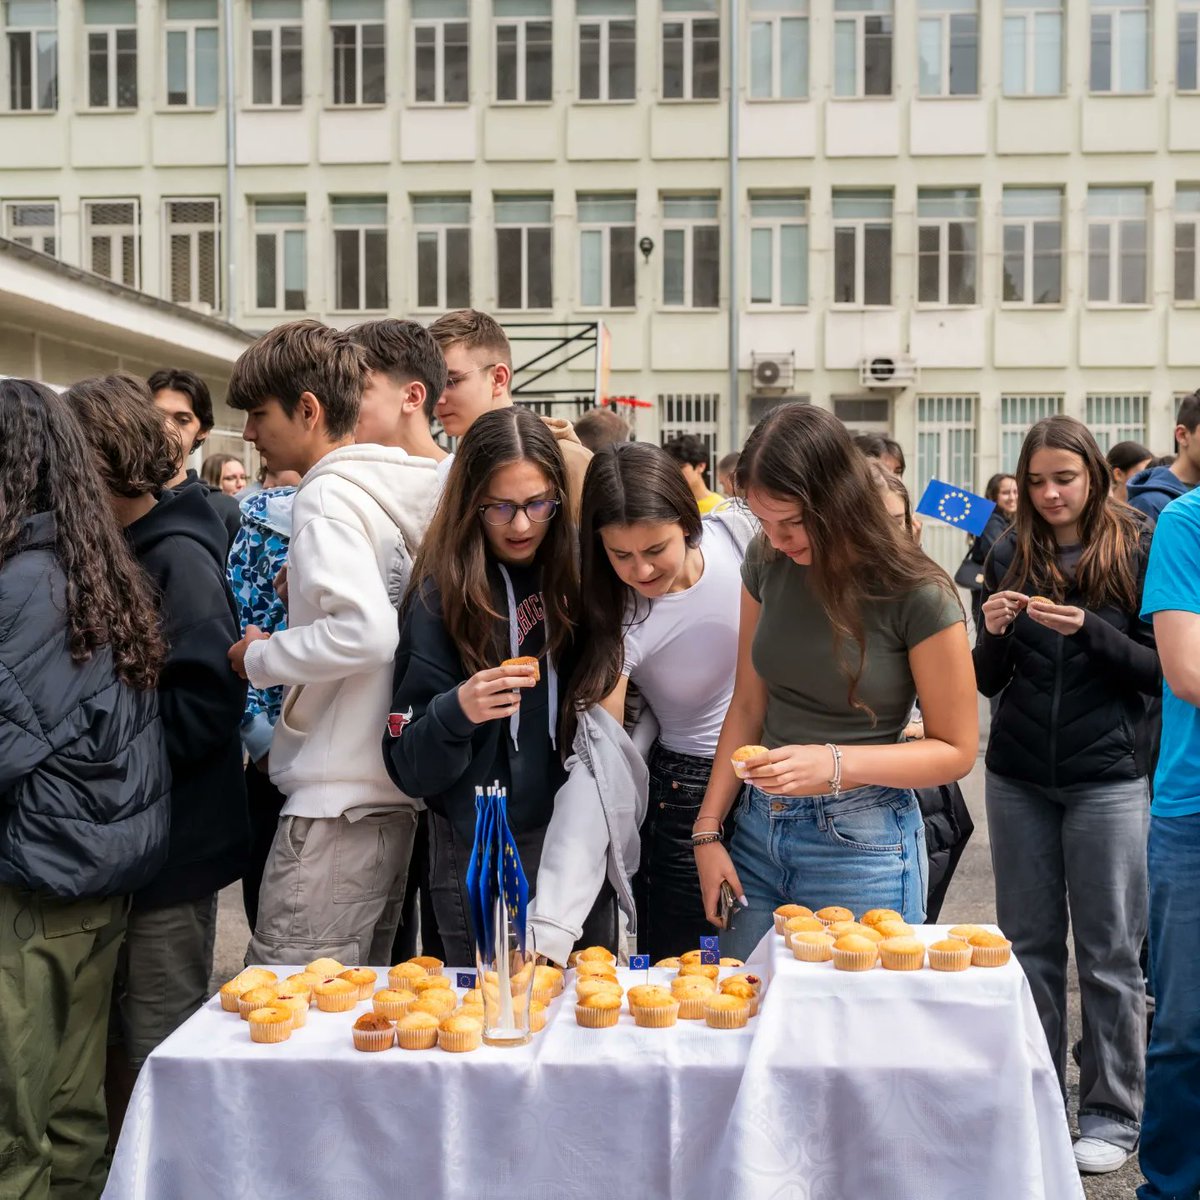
[57, 961]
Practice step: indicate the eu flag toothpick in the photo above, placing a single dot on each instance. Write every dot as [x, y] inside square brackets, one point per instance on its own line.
[639, 962]
[955, 506]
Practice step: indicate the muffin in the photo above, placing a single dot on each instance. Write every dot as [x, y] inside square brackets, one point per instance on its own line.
[417, 1031]
[373, 1031]
[745, 988]
[429, 983]
[477, 1013]
[538, 1014]
[902, 954]
[439, 1002]
[725, 1011]
[431, 966]
[593, 987]
[670, 963]
[296, 1002]
[691, 991]
[691, 956]
[547, 983]
[950, 954]
[990, 949]
[271, 1023]
[599, 1011]
[801, 925]
[393, 1003]
[872, 935]
[596, 954]
[335, 995]
[853, 952]
[876, 916]
[731, 962]
[231, 991]
[589, 969]
[327, 968]
[708, 970]
[834, 913]
[525, 660]
[304, 979]
[256, 997]
[964, 933]
[891, 929]
[363, 978]
[785, 912]
[458, 1034]
[743, 755]
[653, 1007]
[402, 976]
[811, 946]
[838, 928]
[258, 976]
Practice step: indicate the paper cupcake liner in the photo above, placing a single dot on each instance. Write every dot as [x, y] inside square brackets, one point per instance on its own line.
[596, 1018]
[341, 1002]
[950, 960]
[537, 1021]
[854, 960]
[780, 921]
[813, 952]
[246, 1008]
[691, 1008]
[365, 991]
[276, 1031]
[661, 1017]
[434, 971]
[401, 983]
[901, 962]
[459, 1043]
[373, 1040]
[544, 995]
[393, 1009]
[230, 1001]
[725, 1018]
[299, 1014]
[417, 1039]
[990, 956]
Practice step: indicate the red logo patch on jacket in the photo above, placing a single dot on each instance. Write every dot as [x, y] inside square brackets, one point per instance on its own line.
[397, 722]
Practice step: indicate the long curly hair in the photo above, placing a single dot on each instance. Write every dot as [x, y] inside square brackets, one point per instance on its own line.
[46, 465]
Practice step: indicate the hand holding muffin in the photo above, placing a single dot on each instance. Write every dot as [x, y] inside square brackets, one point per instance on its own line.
[793, 771]
[495, 693]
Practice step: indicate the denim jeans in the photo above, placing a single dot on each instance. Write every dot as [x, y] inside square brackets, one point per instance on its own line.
[862, 849]
[1170, 1152]
[1085, 843]
[670, 910]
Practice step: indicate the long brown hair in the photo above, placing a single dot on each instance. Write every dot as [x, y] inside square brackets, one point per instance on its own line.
[46, 465]
[454, 552]
[1109, 531]
[804, 454]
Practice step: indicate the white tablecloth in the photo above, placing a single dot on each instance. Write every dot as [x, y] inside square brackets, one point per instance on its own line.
[845, 1087]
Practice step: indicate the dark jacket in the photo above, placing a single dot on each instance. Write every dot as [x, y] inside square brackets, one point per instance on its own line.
[1072, 709]
[84, 780]
[1151, 490]
[181, 544]
[226, 507]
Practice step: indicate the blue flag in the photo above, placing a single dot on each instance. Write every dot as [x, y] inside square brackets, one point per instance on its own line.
[639, 962]
[711, 941]
[494, 873]
[512, 876]
[955, 506]
[464, 979]
[709, 958]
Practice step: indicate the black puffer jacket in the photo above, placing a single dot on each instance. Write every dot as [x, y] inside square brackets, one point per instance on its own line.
[1073, 709]
[84, 780]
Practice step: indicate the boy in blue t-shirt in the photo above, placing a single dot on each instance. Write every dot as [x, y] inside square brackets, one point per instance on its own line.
[1169, 1158]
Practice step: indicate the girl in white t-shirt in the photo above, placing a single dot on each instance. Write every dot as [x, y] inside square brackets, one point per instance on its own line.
[660, 591]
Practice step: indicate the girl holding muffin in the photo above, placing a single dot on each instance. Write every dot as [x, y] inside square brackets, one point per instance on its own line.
[843, 620]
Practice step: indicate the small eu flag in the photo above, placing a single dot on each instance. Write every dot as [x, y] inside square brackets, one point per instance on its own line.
[639, 962]
[464, 979]
[956, 506]
[709, 958]
[710, 942]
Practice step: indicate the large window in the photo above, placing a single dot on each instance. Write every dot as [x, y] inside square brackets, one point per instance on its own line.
[1033, 47]
[440, 51]
[191, 59]
[862, 48]
[862, 249]
[1114, 418]
[280, 253]
[779, 250]
[112, 240]
[1017, 413]
[778, 49]
[691, 252]
[1187, 46]
[276, 53]
[947, 245]
[356, 32]
[948, 47]
[1120, 46]
[607, 49]
[1117, 237]
[193, 246]
[523, 50]
[946, 449]
[360, 253]
[1032, 236]
[443, 229]
[1187, 243]
[691, 50]
[524, 251]
[32, 223]
[31, 31]
[111, 33]
[606, 251]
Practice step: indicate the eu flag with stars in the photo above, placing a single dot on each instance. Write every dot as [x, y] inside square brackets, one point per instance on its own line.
[639, 962]
[955, 506]
[512, 876]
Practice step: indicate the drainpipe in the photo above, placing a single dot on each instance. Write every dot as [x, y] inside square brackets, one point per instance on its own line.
[230, 279]
[732, 209]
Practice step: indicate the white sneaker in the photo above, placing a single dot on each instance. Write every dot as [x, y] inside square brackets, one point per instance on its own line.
[1095, 1156]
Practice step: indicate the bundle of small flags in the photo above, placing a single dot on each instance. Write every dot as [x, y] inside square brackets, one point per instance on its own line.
[494, 872]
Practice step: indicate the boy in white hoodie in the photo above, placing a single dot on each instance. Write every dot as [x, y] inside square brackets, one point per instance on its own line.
[335, 876]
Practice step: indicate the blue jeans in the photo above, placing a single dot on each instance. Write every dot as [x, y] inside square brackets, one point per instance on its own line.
[1170, 1151]
[863, 849]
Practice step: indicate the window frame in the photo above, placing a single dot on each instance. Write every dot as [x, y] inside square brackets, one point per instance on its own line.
[688, 226]
[439, 26]
[361, 229]
[440, 228]
[1107, 433]
[775, 21]
[1188, 218]
[605, 229]
[859, 226]
[277, 229]
[1032, 407]
[190, 26]
[1187, 8]
[688, 20]
[34, 33]
[942, 225]
[859, 21]
[193, 232]
[112, 60]
[524, 227]
[358, 25]
[1029, 252]
[521, 24]
[1029, 58]
[9, 229]
[91, 231]
[1114, 251]
[945, 19]
[275, 27]
[776, 225]
[604, 24]
[1115, 57]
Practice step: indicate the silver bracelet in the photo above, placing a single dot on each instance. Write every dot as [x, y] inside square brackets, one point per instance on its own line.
[835, 784]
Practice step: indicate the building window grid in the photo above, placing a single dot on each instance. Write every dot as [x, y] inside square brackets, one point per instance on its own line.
[524, 59]
[1118, 261]
[191, 60]
[607, 58]
[691, 413]
[947, 247]
[1120, 47]
[357, 62]
[607, 265]
[948, 48]
[524, 253]
[691, 55]
[1114, 418]
[779, 245]
[192, 232]
[862, 49]
[1032, 241]
[691, 252]
[1187, 46]
[862, 243]
[778, 51]
[111, 66]
[33, 223]
[112, 240]
[280, 231]
[1033, 48]
[441, 50]
[1017, 414]
[31, 57]
[946, 450]
[442, 229]
[1187, 244]
[276, 63]
[360, 254]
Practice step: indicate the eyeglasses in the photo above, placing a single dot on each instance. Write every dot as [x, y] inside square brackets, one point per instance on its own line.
[452, 381]
[538, 511]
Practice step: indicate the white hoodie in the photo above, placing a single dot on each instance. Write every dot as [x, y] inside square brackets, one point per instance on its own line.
[358, 517]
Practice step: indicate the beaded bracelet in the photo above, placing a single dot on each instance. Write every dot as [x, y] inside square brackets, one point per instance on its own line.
[705, 839]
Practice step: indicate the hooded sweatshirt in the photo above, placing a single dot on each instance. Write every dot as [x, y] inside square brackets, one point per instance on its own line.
[226, 507]
[1150, 491]
[180, 543]
[357, 519]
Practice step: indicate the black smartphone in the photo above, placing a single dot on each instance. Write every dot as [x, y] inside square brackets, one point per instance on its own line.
[725, 902]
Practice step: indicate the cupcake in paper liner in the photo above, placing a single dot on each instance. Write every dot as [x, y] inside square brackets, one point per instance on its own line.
[990, 949]
[811, 946]
[950, 954]
[363, 979]
[271, 1023]
[417, 1031]
[653, 1007]
[853, 952]
[335, 995]
[599, 1011]
[373, 1032]
[723, 1011]
[458, 1033]
[902, 954]
[393, 1003]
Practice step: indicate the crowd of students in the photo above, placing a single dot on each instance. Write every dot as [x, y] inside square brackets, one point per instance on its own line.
[305, 693]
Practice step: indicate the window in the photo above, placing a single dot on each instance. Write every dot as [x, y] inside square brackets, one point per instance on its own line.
[1032, 236]
[607, 49]
[191, 53]
[360, 253]
[1187, 243]
[946, 450]
[606, 251]
[1187, 47]
[1113, 419]
[31, 30]
[947, 245]
[1033, 47]
[280, 250]
[691, 252]
[112, 240]
[696, 414]
[356, 36]
[1117, 232]
[779, 250]
[778, 49]
[862, 249]
[443, 225]
[948, 48]
[1017, 413]
[691, 50]
[523, 50]
[192, 249]
[862, 48]
[111, 53]
[33, 223]
[440, 47]
[524, 245]
[1120, 46]
[276, 53]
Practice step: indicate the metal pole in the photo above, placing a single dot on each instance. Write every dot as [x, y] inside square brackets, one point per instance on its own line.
[596, 397]
[732, 206]
[230, 166]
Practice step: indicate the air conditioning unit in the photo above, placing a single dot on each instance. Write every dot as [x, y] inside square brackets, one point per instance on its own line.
[887, 371]
[771, 371]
